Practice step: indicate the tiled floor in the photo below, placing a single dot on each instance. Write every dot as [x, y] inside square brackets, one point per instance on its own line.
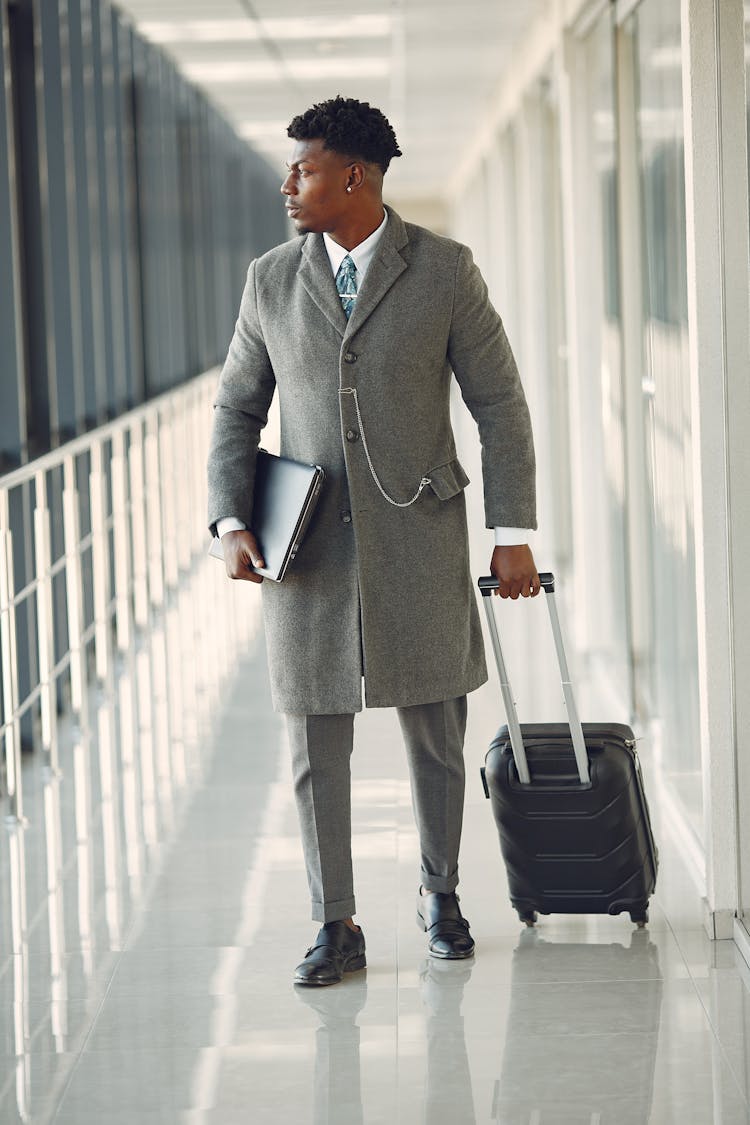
[155, 905]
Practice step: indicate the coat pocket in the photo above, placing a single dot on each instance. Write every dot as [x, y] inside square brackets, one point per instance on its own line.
[448, 480]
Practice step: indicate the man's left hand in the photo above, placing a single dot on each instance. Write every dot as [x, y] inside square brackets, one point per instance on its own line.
[516, 572]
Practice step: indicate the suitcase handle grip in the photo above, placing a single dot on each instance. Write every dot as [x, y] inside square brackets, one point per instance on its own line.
[488, 583]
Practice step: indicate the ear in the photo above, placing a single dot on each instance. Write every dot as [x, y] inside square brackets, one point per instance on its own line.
[357, 176]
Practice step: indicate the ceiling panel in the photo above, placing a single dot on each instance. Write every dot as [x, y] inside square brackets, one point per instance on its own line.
[430, 65]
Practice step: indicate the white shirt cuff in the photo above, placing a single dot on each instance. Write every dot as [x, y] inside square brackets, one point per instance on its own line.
[229, 523]
[510, 536]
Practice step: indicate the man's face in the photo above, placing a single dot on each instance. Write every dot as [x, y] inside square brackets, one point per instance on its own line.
[315, 188]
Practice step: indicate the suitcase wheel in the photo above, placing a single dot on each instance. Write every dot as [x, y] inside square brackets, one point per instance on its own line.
[639, 917]
[529, 917]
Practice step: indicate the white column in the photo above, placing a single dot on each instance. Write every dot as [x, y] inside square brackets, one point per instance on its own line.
[718, 303]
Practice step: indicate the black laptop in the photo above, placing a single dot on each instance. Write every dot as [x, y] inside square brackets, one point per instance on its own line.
[284, 499]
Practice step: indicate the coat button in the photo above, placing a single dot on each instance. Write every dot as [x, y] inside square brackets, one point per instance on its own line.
[346, 517]
[352, 435]
[350, 357]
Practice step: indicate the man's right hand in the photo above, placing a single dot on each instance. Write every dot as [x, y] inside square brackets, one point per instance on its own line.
[240, 554]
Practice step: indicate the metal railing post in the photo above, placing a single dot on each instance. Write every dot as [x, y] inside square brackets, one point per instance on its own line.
[182, 492]
[154, 525]
[73, 583]
[10, 668]
[168, 487]
[45, 621]
[121, 532]
[100, 561]
[138, 525]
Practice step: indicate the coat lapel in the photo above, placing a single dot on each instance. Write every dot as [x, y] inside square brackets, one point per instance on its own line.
[315, 274]
[387, 265]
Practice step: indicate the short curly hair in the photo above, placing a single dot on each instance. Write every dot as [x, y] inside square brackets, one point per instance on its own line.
[350, 127]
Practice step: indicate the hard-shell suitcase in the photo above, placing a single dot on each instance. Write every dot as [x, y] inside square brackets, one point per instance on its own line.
[569, 804]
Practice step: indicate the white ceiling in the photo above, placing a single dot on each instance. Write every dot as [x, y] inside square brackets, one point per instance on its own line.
[430, 65]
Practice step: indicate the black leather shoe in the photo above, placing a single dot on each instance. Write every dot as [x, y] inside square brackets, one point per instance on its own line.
[337, 950]
[439, 915]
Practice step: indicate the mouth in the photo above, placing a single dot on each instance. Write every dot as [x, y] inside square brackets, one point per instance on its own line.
[292, 211]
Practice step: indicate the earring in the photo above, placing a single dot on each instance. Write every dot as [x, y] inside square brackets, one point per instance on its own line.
[349, 190]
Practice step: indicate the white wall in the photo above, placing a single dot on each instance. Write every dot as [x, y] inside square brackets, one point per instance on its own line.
[516, 243]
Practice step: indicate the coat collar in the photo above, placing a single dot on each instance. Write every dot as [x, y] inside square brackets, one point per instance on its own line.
[387, 264]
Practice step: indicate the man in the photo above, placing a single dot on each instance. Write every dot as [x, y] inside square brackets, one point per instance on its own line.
[359, 324]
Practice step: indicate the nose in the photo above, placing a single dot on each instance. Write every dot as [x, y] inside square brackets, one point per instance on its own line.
[285, 189]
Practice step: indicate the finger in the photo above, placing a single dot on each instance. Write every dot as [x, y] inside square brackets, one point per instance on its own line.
[253, 557]
[245, 574]
[240, 563]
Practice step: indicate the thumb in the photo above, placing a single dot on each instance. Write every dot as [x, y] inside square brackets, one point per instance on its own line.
[254, 552]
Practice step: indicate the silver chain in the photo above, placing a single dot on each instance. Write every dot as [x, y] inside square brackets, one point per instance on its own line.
[422, 484]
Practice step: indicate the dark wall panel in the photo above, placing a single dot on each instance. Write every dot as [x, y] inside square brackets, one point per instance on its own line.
[128, 213]
[12, 381]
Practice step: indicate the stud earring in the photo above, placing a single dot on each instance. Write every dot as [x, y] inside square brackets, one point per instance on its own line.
[349, 190]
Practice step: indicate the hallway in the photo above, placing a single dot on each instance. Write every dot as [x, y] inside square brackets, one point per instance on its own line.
[158, 906]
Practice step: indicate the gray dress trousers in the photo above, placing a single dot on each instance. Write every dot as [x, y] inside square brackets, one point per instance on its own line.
[321, 747]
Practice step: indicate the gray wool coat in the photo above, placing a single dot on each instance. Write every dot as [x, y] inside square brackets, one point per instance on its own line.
[376, 591]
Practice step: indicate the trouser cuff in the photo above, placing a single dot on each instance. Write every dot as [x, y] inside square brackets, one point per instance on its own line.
[441, 884]
[334, 911]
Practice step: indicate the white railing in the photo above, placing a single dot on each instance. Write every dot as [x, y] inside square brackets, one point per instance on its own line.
[137, 485]
[115, 525]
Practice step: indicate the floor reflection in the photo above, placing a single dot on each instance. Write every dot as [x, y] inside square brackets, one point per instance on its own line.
[582, 1033]
[74, 876]
[448, 1094]
[337, 1084]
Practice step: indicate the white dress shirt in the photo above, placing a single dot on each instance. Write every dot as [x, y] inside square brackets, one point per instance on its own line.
[362, 255]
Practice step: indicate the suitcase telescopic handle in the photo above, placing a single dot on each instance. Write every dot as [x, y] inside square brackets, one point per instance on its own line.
[487, 585]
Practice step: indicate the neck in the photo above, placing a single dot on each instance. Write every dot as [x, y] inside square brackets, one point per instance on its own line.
[356, 228]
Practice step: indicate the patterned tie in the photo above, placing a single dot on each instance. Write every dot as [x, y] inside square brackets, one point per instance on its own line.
[346, 284]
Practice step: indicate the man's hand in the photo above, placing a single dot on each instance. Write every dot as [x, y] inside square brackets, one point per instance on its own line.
[240, 553]
[515, 571]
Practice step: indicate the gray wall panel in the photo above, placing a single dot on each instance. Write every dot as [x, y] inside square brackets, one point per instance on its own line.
[12, 372]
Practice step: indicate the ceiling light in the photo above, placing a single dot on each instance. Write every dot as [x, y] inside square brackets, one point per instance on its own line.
[229, 31]
[263, 70]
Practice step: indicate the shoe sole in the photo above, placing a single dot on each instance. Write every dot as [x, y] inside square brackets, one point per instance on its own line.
[452, 956]
[352, 966]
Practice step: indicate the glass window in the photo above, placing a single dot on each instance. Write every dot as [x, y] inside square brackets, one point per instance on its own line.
[666, 398]
[601, 497]
[743, 767]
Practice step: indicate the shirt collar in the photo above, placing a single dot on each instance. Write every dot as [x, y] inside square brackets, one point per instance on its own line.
[361, 255]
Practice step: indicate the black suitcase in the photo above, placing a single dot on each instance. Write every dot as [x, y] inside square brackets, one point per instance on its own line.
[569, 804]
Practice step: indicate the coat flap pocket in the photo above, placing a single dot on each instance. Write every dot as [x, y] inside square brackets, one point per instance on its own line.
[447, 480]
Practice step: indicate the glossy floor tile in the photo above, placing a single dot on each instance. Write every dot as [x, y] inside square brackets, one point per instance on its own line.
[154, 906]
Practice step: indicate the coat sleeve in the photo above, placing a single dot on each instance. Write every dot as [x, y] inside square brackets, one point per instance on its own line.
[246, 388]
[486, 371]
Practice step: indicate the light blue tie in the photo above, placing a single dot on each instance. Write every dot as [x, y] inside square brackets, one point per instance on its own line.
[346, 284]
